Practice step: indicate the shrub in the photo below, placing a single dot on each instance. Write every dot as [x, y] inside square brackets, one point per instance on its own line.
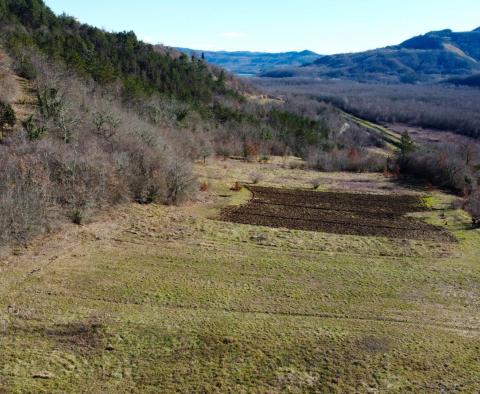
[316, 183]
[472, 205]
[444, 166]
[179, 181]
[24, 196]
[236, 187]
[250, 150]
[256, 177]
[352, 160]
[33, 130]
[7, 115]
[204, 186]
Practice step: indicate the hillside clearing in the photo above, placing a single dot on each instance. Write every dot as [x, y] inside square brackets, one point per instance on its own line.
[150, 298]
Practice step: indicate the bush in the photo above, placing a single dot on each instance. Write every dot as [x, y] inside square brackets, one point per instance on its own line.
[70, 160]
[256, 177]
[236, 187]
[8, 85]
[179, 182]
[352, 160]
[24, 196]
[316, 183]
[7, 115]
[250, 150]
[445, 166]
[472, 206]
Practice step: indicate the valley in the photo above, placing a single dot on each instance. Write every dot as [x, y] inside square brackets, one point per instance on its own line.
[244, 221]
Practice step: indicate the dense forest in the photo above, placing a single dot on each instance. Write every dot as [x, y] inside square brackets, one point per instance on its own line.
[105, 57]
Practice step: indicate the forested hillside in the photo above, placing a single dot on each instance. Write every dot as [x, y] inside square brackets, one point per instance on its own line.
[91, 118]
[106, 57]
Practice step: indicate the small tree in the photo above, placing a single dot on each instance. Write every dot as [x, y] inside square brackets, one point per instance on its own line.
[472, 205]
[250, 150]
[106, 124]
[180, 182]
[205, 149]
[33, 130]
[7, 116]
[406, 144]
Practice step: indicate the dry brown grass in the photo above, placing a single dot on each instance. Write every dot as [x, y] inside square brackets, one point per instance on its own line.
[9, 88]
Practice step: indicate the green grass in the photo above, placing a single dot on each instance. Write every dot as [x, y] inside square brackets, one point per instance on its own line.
[392, 139]
[163, 299]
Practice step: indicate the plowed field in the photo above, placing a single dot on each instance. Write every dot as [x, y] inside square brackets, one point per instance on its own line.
[338, 213]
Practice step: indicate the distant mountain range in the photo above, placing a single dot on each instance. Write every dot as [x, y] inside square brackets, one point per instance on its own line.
[435, 56]
[254, 63]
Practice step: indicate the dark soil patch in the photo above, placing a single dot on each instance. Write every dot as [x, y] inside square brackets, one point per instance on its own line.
[85, 335]
[339, 213]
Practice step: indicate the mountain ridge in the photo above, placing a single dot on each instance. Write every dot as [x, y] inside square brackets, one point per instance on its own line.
[251, 62]
[430, 57]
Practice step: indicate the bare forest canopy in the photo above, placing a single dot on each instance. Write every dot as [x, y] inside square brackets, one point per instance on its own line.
[439, 107]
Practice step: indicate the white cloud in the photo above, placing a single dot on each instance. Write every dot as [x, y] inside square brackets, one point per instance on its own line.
[235, 35]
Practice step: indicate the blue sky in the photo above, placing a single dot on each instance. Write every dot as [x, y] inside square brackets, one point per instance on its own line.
[324, 26]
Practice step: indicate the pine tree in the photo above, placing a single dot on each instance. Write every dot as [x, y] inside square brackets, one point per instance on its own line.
[406, 144]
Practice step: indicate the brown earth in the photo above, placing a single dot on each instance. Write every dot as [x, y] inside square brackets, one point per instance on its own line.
[337, 213]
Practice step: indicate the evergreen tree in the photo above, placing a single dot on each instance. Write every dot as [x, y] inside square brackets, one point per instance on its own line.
[7, 116]
[406, 144]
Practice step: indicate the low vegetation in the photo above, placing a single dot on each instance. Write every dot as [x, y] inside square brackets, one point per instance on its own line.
[472, 205]
[451, 167]
[154, 296]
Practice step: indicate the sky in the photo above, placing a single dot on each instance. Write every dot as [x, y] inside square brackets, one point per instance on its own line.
[323, 26]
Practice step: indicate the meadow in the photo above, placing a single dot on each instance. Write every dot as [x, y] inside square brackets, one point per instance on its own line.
[150, 298]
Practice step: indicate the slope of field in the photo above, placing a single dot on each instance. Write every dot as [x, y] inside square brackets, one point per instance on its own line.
[153, 298]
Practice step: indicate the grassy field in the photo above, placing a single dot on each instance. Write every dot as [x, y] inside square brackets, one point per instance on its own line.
[164, 299]
[392, 139]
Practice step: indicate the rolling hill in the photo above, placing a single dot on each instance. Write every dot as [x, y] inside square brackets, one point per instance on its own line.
[253, 63]
[431, 57]
[471, 81]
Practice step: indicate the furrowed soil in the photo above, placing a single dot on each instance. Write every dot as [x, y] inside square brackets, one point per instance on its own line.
[149, 299]
[338, 213]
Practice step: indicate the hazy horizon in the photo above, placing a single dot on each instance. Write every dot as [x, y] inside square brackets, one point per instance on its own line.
[328, 27]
